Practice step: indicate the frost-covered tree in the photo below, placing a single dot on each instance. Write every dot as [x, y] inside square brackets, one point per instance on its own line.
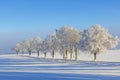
[68, 37]
[50, 44]
[37, 44]
[74, 38]
[62, 36]
[55, 44]
[17, 48]
[43, 48]
[46, 45]
[29, 45]
[97, 39]
[22, 47]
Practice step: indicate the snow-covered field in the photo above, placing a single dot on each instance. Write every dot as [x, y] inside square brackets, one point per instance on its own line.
[13, 67]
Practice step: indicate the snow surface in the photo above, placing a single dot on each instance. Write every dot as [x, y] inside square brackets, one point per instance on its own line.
[18, 67]
[109, 56]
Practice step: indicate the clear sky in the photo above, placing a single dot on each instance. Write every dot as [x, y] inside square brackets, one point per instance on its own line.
[22, 19]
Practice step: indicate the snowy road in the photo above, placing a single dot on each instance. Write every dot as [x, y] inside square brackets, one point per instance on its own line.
[14, 67]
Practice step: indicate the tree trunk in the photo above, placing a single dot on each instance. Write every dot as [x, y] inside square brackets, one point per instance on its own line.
[38, 53]
[53, 54]
[71, 54]
[29, 52]
[45, 54]
[17, 52]
[63, 55]
[66, 54]
[95, 56]
[76, 54]
[22, 52]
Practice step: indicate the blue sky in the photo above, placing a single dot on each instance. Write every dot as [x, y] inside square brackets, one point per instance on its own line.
[22, 19]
